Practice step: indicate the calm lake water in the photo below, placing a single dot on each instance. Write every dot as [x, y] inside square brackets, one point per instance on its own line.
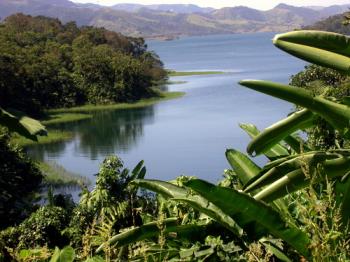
[186, 136]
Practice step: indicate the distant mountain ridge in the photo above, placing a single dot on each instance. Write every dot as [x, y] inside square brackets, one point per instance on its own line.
[168, 20]
[176, 8]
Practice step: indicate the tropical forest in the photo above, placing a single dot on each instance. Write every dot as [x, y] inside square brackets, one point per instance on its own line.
[84, 109]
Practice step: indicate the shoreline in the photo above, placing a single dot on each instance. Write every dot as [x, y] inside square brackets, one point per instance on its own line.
[172, 73]
[75, 114]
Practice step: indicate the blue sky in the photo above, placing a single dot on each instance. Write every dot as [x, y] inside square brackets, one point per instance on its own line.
[259, 4]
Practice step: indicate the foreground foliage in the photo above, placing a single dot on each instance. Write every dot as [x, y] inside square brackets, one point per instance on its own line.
[20, 181]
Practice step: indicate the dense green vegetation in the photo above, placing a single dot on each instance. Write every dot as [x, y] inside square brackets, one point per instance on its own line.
[294, 208]
[19, 183]
[46, 64]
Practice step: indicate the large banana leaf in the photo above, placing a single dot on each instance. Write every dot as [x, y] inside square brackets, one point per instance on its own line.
[200, 203]
[245, 168]
[297, 179]
[234, 202]
[287, 166]
[272, 135]
[322, 48]
[23, 125]
[150, 230]
[139, 171]
[274, 152]
[337, 115]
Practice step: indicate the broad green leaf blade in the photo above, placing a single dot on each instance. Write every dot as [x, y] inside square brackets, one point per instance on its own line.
[135, 172]
[23, 125]
[139, 233]
[337, 115]
[67, 254]
[346, 100]
[142, 173]
[297, 144]
[200, 203]
[274, 249]
[245, 168]
[234, 202]
[152, 230]
[272, 135]
[322, 48]
[275, 152]
[287, 166]
[297, 179]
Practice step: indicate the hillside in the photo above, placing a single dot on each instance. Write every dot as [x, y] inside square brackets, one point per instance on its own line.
[332, 24]
[172, 20]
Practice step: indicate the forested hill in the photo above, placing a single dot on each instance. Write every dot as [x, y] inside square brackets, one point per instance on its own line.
[332, 24]
[47, 64]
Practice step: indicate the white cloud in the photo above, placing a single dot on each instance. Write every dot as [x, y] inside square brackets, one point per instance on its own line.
[259, 4]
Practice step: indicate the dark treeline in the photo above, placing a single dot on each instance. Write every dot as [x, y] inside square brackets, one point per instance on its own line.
[46, 64]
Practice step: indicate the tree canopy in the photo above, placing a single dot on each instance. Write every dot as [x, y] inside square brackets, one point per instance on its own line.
[47, 64]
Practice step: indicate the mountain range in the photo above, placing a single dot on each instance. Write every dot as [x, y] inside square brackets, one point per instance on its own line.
[173, 20]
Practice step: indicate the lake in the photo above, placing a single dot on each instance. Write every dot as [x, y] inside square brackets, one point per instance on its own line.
[189, 135]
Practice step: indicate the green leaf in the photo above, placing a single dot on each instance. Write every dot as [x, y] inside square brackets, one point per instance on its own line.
[322, 48]
[137, 170]
[275, 152]
[272, 135]
[234, 202]
[23, 125]
[278, 171]
[95, 259]
[295, 143]
[245, 168]
[297, 179]
[67, 254]
[200, 203]
[337, 115]
[152, 229]
[274, 249]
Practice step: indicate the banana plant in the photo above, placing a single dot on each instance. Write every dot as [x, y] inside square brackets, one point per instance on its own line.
[256, 208]
[226, 202]
[17, 122]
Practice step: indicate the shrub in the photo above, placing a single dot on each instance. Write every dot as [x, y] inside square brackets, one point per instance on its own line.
[19, 183]
[42, 228]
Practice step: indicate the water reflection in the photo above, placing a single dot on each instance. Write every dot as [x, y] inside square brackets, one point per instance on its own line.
[106, 133]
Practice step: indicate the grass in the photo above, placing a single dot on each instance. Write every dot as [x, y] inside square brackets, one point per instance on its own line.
[57, 176]
[163, 96]
[57, 118]
[193, 73]
[175, 82]
[53, 136]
